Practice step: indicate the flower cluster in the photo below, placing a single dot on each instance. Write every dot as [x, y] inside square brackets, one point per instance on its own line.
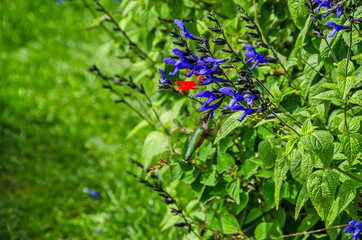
[331, 7]
[158, 166]
[209, 71]
[355, 227]
[326, 4]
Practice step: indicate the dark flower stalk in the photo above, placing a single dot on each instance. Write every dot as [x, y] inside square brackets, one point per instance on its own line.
[117, 28]
[117, 80]
[318, 29]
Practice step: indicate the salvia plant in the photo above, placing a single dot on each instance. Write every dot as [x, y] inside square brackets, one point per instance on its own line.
[256, 124]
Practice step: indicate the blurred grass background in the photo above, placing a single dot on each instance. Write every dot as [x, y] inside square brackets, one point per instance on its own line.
[62, 133]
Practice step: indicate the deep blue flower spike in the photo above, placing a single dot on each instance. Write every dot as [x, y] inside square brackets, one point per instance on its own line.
[209, 95]
[185, 33]
[181, 63]
[247, 111]
[217, 62]
[163, 79]
[354, 226]
[235, 97]
[253, 55]
[212, 107]
[327, 5]
[211, 79]
[336, 27]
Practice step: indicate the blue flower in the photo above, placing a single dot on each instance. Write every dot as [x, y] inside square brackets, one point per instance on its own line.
[212, 107]
[335, 26]
[217, 62]
[60, 1]
[249, 99]
[247, 111]
[210, 79]
[209, 95]
[339, 12]
[322, 4]
[186, 33]
[253, 55]
[327, 5]
[235, 97]
[163, 80]
[354, 226]
[93, 193]
[181, 62]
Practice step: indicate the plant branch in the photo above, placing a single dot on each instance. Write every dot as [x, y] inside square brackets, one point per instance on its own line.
[347, 173]
[305, 233]
[114, 22]
[101, 23]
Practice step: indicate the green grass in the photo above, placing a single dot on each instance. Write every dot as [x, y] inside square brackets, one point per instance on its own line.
[61, 133]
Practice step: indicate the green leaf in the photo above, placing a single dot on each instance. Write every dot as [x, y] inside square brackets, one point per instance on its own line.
[298, 11]
[307, 163]
[321, 143]
[300, 40]
[280, 215]
[308, 222]
[290, 145]
[268, 192]
[209, 178]
[345, 86]
[281, 169]
[328, 85]
[137, 128]
[154, 144]
[175, 6]
[169, 220]
[190, 176]
[198, 188]
[278, 97]
[357, 98]
[205, 151]
[353, 123]
[220, 188]
[352, 145]
[244, 199]
[253, 214]
[322, 186]
[314, 63]
[345, 196]
[233, 189]
[341, 70]
[262, 230]
[229, 224]
[228, 126]
[229, 8]
[307, 127]
[225, 162]
[301, 200]
[332, 95]
[268, 150]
